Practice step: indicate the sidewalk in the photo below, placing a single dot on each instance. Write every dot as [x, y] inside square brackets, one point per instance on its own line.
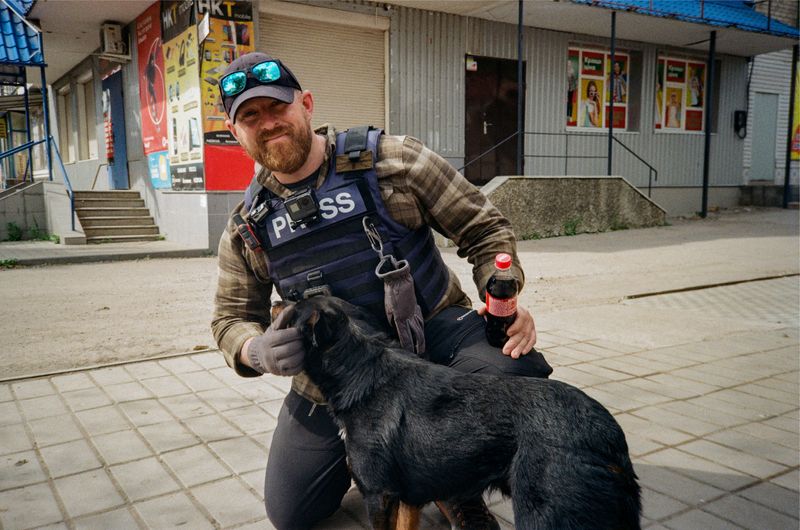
[704, 383]
[49, 253]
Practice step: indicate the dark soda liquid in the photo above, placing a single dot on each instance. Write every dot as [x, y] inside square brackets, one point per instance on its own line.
[503, 289]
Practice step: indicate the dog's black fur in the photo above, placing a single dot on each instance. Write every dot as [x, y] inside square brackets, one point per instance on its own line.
[415, 431]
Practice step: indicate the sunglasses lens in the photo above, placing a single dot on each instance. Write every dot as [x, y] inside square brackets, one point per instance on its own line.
[267, 72]
[233, 83]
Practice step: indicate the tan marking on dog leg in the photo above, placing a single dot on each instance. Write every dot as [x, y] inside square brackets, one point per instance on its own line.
[407, 517]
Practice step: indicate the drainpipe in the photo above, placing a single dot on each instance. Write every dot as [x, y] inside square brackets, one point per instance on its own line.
[520, 97]
[712, 46]
[786, 169]
[611, 88]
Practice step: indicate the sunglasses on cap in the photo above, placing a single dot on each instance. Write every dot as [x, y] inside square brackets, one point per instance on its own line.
[264, 73]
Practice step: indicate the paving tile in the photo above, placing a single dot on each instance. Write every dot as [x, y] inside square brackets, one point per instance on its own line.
[42, 407]
[111, 376]
[199, 381]
[164, 386]
[179, 365]
[718, 408]
[758, 467]
[142, 479]
[785, 423]
[5, 392]
[663, 480]
[68, 458]
[692, 388]
[647, 384]
[116, 519]
[213, 427]
[195, 465]
[20, 469]
[284, 384]
[273, 407]
[757, 447]
[209, 360]
[693, 408]
[186, 406]
[770, 392]
[103, 420]
[145, 412]
[145, 370]
[787, 480]
[255, 479]
[88, 492]
[264, 524]
[65, 383]
[657, 506]
[259, 390]
[579, 378]
[744, 400]
[29, 507]
[167, 436]
[124, 392]
[121, 446]
[749, 514]
[32, 388]
[699, 520]
[9, 414]
[54, 430]
[87, 398]
[240, 454]
[776, 497]
[252, 419]
[172, 511]
[698, 469]
[229, 502]
[14, 439]
[659, 415]
[223, 399]
[621, 364]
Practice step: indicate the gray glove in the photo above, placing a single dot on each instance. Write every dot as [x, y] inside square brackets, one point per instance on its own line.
[279, 350]
[400, 304]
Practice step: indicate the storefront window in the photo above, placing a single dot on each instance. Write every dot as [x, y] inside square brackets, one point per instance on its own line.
[680, 95]
[589, 90]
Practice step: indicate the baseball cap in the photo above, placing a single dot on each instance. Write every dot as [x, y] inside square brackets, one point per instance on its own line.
[280, 84]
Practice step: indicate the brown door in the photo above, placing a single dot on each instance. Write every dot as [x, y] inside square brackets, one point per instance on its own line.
[491, 105]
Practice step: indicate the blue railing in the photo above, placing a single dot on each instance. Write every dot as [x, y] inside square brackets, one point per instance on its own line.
[67, 183]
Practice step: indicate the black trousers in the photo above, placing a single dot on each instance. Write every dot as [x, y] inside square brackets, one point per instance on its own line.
[307, 472]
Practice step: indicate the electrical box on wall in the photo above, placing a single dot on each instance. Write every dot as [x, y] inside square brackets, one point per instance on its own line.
[111, 41]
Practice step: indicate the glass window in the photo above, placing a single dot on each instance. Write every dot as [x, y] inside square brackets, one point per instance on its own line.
[680, 96]
[589, 88]
[87, 126]
[66, 143]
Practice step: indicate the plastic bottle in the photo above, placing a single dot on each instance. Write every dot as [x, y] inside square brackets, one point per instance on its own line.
[501, 301]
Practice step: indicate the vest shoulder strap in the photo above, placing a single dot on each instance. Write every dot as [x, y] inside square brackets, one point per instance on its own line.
[358, 152]
[252, 191]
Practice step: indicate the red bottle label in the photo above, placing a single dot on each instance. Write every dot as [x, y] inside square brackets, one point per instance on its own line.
[500, 307]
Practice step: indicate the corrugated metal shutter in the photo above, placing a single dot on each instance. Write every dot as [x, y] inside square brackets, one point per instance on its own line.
[342, 66]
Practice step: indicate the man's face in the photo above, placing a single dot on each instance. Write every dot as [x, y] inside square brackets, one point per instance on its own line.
[277, 135]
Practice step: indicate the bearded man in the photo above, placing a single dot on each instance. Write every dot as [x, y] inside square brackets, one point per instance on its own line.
[348, 214]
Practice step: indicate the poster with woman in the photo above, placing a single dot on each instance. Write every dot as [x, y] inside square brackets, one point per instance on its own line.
[572, 88]
[673, 109]
[680, 95]
[697, 81]
[619, 73]
[591, 108]
[659, 97]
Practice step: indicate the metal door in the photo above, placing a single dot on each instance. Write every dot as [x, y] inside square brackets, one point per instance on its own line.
[116, 146]
[492, 92]
[765, 129]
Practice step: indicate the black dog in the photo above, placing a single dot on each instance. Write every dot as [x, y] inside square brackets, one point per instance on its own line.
[415, 431]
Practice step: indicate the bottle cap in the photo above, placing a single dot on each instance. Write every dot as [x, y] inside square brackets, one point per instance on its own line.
[502, 261]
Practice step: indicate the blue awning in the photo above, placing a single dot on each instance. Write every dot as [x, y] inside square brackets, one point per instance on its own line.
[19, 40]
[737, 14]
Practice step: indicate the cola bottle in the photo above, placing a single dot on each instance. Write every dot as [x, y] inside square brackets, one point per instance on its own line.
[501, 301]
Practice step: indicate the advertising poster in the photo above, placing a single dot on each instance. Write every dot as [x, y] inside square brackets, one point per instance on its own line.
[592, 64]
[676, 71]
[696, 84]
[591, 108]
[694, 120]
[796, 119]
[659, 110]
[152, 95]
[680, 97]
[231, 34]
[619, 71]
[572, 88]
[673, 110]
[182, 76]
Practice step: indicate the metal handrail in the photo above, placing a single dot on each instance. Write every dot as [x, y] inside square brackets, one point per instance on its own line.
[23, 147]
[67, 183]
[652, 172]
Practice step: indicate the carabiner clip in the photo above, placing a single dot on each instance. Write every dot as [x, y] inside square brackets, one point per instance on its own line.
[373, 235]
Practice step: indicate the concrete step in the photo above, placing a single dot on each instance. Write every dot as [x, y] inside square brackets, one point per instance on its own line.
[105, 231]
[108, 194]
[122, 239]
[109, 203]
[90, 222]
[112, 212]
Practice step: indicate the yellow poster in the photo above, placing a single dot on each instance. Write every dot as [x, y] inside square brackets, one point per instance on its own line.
[796, 118]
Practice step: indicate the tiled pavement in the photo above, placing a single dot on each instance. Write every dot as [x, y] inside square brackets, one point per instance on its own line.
[712, 427]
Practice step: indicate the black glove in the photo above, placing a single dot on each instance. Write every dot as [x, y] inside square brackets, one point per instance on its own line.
[400, 304]
[279, 350]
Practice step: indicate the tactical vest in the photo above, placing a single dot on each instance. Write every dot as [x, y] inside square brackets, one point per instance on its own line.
[334, 252]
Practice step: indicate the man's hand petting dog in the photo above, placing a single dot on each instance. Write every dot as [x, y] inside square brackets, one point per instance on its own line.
[279, 350]
[521, 334]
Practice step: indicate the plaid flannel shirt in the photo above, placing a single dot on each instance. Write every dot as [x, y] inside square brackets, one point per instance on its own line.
[418, 187]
